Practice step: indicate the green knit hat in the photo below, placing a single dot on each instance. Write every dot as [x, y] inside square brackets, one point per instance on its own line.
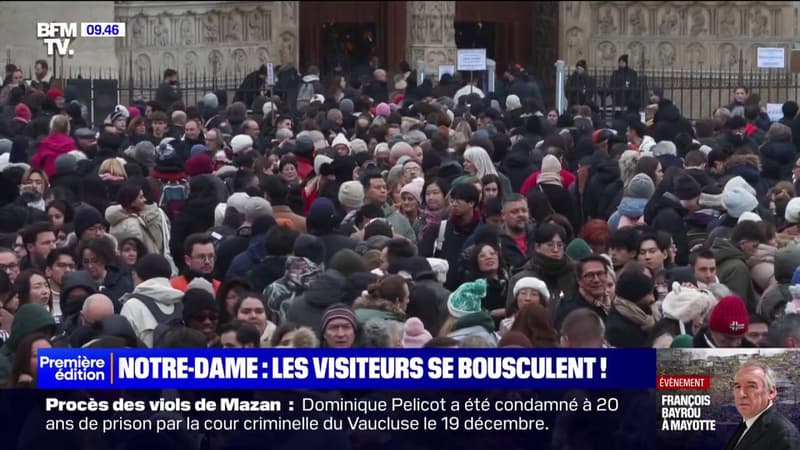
[467, 298]
[578, 249]
[682, 341]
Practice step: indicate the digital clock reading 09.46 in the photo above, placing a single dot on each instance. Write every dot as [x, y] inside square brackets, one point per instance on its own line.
[111, 29]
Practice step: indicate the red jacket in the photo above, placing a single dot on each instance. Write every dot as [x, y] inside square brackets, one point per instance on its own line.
[567, 178]
[51, 148]
[304, 167]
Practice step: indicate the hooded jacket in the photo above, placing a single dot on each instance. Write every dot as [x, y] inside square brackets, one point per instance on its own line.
[367, 308]
[787, 259]
[308, 308]
[246, 260]
[666, 214]
[197, 216]
[268, 270]
[297, 276]
[518, 165]
[49, 149]
[749, 168]
[147, 226]
[762, 267]
[140, 317]
[30, 318]
[602, 175]
[116, 284]
[631, 208]
[733, 272]
[777, 160]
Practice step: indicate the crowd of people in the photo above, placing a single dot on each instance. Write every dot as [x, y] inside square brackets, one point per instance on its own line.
[391, 214]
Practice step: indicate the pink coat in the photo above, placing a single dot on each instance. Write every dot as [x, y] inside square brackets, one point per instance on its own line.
[51, 148]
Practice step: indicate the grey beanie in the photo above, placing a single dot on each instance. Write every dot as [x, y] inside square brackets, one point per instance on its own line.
[346, 106]
[66, 163]
[144, 153]
[640, 186]
[5, 145]
[210, 101]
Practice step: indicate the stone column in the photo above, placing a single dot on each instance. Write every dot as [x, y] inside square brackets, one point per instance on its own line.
[431, 32]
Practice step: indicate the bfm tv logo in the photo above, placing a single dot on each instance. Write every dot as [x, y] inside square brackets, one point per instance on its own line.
[57, 36]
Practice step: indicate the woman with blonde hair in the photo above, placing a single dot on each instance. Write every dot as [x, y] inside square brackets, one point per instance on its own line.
[112, 170]
[57, 143]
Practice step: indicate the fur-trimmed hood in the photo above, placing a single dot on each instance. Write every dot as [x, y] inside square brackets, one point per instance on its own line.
[742, 160]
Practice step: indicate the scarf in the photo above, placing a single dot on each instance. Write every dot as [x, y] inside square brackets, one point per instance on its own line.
[431, 218]
[632, 312]
[553, 178]
[457, 221]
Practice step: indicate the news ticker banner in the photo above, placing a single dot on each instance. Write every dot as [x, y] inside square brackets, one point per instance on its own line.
[351, 369]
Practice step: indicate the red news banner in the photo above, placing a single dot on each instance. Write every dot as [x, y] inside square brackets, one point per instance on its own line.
[683, 411]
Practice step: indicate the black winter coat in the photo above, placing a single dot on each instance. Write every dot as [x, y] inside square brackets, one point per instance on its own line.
[518, 166]
[454, 238]
[621, 332]
[665, 213]
[197, 216]
[603, 173]
[777, 160]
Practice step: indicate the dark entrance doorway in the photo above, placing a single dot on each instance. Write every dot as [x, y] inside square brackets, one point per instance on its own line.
[381, 23]
[348, 47]
[476, 35]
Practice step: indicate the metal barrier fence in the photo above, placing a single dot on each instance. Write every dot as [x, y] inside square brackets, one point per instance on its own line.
[697, 91]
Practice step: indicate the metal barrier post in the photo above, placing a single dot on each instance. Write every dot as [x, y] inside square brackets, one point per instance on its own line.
[561, 79]
[491, 74]
[420, 66]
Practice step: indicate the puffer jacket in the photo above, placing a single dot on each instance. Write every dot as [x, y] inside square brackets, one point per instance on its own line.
[147, 226]
[762, 267]
[308, 308]
[733, 272]
[297, 276]
[367, 308]
[777, 160]
[140, 317]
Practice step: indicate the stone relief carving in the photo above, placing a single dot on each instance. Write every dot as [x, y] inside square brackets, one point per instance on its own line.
[262, 55]
[574, 9]
[418, 55]
[233, 30]
[729, 23]
[418, 28]
[162, 32]
[168, 61]
[288, 14]
[666, 54]
[210, 29]
[216, 61]
[142, 65]
[636, 54]
[435, 29]
[728, 56]
[699, 22]
[419, 7]
[696, 54]
[288, 46]
[575, 43]
[239, 60]
[255, 25]
[138, 30]
[670, 21]
[638, 22]
[606, 23]
[606, 52]
[760, 23]
[436, 58]
[187, 31]
[448, 28]
[191, 61]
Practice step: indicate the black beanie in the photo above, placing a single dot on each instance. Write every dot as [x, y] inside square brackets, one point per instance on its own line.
[196, 300]
[151, 266]
[685, 187]
[634, 285]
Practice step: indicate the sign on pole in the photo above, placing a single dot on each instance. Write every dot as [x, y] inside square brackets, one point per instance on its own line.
[771, 58]
[775, 111]
[471, 59]
[270, 74]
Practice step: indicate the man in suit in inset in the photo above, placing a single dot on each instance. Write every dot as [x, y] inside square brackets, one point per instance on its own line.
[763, 426]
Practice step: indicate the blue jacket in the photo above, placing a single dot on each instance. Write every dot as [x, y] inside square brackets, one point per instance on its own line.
[628, 207]
[246, 260]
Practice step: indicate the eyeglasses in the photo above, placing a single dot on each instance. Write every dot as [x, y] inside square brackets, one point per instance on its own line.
[203, 257]
[594, 275]
[554, 245]
[63, 265]
[7, 267]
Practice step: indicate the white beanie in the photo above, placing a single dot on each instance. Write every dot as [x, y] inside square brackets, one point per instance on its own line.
[512, 102]
[319, 161]
[738, 201]
[532, 283]
[351, 194]
[237, 201]
[340, 139]
[792, 214]
[665, 148]
[240, 143]
[739, 182]
[267, 108]
[753, 217]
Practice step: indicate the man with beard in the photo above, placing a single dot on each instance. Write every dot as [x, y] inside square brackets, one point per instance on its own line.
[516, 225]
[199, 259]
[632, 315]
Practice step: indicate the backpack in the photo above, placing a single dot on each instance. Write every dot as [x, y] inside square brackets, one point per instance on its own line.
[304, 95]
[166, 322]
[173, 196]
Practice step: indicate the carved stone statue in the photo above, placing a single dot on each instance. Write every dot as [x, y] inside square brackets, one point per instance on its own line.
[239, 60]
[698, 23]
[575, 44]
[760, 24]
[728, 56]
[255, 26]
[142, 65]
[234, 28]
[215, 60]
[210, 29]
[606, 23]
[190, 60]
[138, 32]
[287, 50]
[696, 54]
[637, 21]
[168, 61]
[448, 29]
[607, 52]
[636, 52]
[162, 32]
[287, 13]
[187, 32]
[262, 54]
[666, 54]
[669, 23]
[727, 25]
[418, 28]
